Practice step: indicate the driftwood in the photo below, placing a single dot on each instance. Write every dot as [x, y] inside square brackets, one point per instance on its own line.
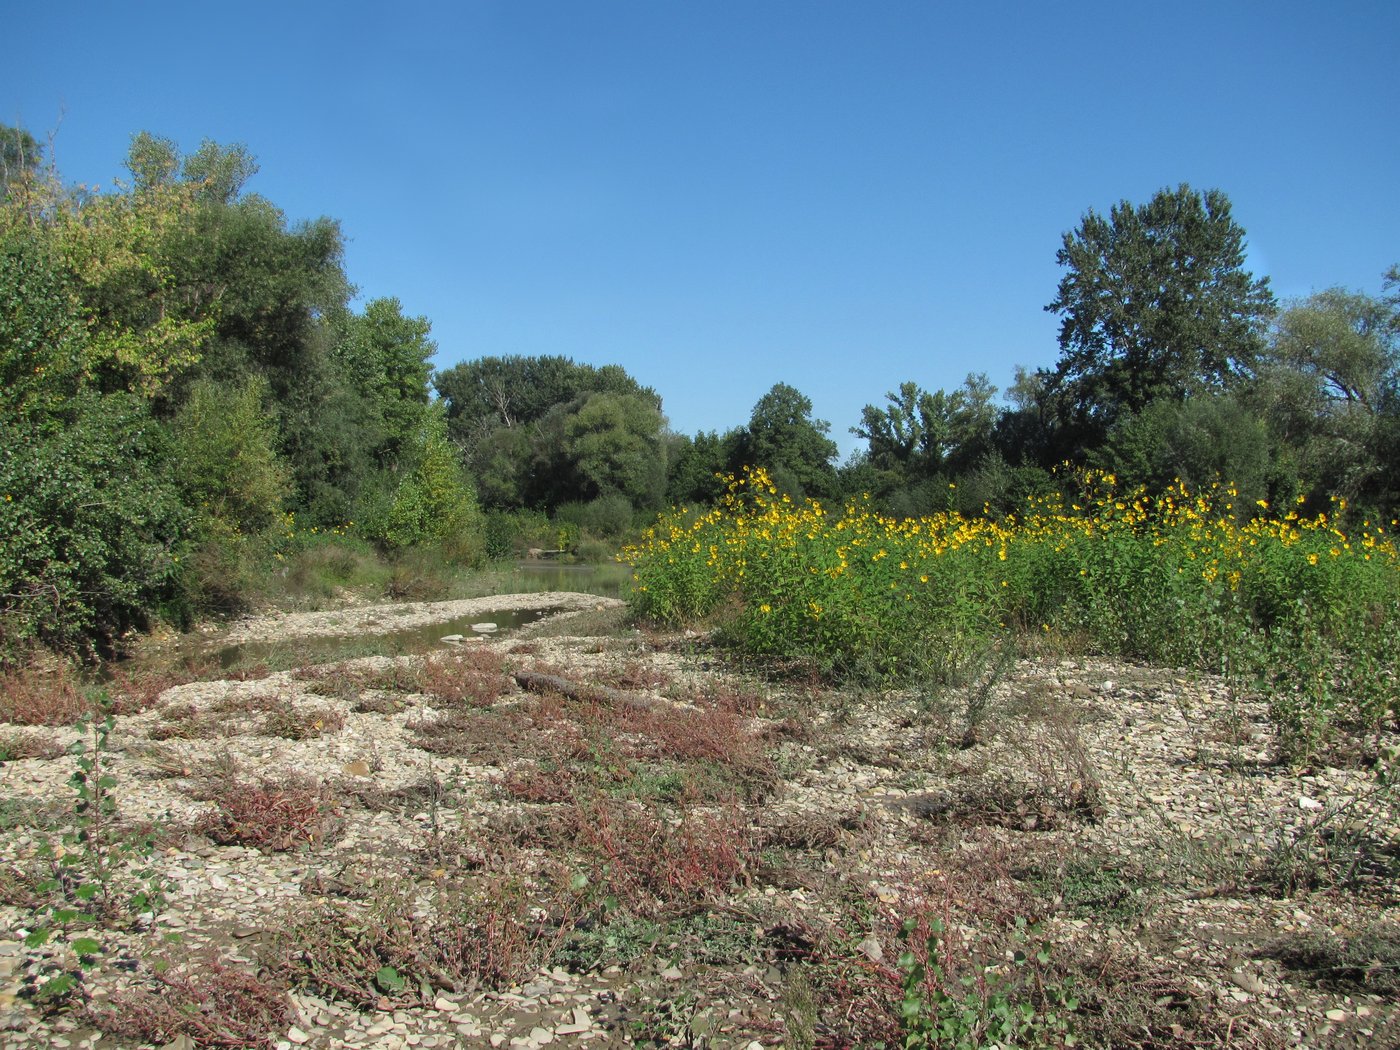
[534, 682]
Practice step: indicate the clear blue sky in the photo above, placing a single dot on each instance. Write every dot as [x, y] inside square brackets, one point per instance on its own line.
[723, 195]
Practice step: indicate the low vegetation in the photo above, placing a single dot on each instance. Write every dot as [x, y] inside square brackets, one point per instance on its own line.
[1307, 609]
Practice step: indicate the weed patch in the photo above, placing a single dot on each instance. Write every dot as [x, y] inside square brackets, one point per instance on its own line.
[49, 695]
[269, 815]
[488, 934]
[207, 1000]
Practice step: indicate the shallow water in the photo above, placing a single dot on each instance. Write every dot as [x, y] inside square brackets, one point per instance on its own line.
[420, 639]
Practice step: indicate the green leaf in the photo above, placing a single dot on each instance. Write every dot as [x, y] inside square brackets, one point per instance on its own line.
[388, 979]
[86, 946]
[58, 986]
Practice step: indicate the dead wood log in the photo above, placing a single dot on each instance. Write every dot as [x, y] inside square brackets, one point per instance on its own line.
[534, 682]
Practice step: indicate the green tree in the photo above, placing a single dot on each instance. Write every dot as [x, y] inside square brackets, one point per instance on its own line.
[1156, 303]
[616, 444]
[1327, 386]
[920, 434]
[91, 526]
[783, 438]
[43, 341]
[435, 501]
[512, 417]
[1206, 438]
[225, 443]
[20, 158]
[696, 465]
[384, 356]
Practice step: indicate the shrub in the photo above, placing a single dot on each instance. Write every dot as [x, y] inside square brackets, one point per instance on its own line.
[91, 527]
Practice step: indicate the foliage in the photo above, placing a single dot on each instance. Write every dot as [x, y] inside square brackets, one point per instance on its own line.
[615, 443]
[229, 467]
[20, 156]
[1197, 441]
[91, 528]
[784, 439]
[42, 337]
[920, 434]
[435, 501]
[1174, 579]
[141, 336]
[97, 872]
[1156, 304]
[990, 1007]
[1327, 387]
[541, 431]
[384, 356]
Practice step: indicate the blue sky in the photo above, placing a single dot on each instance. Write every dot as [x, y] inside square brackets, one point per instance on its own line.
[723, 195]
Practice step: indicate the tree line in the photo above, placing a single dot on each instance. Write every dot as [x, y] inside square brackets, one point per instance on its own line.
[188, 388]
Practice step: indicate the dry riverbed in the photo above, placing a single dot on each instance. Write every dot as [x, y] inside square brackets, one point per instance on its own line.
[579, 834]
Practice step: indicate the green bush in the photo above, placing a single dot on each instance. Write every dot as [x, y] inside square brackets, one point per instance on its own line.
[91, 525]
[608, 516]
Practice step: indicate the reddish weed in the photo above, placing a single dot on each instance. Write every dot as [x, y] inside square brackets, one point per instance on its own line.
[269, 815]
[489, 934]
[35, 695]
[649, 864]
[214, 1004]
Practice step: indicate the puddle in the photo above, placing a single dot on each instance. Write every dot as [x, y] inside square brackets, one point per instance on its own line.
[370, 642]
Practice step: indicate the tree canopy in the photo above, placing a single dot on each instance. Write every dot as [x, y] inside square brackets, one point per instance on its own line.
[1155, 303]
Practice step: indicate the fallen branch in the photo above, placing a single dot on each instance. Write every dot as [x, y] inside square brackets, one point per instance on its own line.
[534, 682]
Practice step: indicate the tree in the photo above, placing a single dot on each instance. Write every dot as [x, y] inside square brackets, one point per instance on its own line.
[1156, 303]
[384, 356]
[20, 157]
[1327, 385]
[921, 434]
[783, 438]
[517, 422]
[90, 525]
[615, 441]
[435, 500]
[43, 342]
[225, 444]
[696, 465]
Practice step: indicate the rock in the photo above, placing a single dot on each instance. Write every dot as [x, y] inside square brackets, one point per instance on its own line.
[452, 639]
[445, 1005]
[1247, 981]
[872, 949]
[1337, 1015]
[484, 628]
[671, 973]
[1308, 803]
[357, 768]
[296, 1035]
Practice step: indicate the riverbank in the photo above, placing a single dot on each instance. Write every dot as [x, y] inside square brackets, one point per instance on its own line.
[659, 846]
